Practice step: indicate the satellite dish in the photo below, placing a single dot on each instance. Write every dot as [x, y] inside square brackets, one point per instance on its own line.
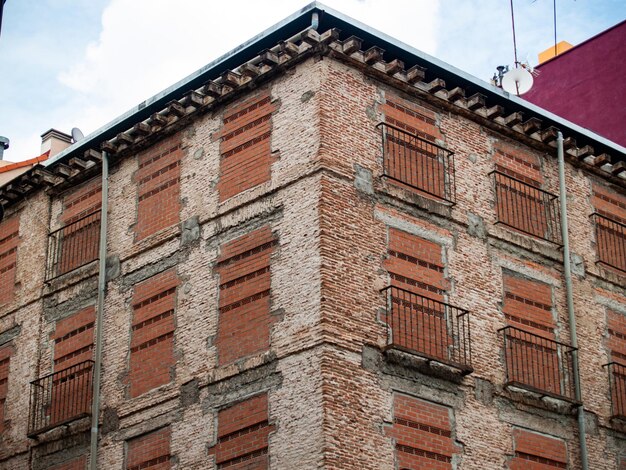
[517, 81]
[77, 134]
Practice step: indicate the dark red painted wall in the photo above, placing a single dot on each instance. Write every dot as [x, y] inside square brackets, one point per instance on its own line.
[587, 84]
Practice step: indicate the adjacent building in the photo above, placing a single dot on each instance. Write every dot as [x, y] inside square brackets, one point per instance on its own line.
[324, 250]
[586, 85]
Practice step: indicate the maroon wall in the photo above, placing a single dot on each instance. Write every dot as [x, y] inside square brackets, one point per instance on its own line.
[587, 84]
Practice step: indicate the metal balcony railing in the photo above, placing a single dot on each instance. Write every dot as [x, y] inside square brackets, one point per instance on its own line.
[418, 163]
[60, 398]
[428, 328]
[73, 245]
[527, 208]
[617, 386]
[538, 364]
[611, 241]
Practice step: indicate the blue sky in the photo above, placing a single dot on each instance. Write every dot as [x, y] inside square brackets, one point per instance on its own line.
[81, 63]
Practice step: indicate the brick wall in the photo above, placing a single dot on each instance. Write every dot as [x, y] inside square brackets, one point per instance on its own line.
[616, 323]
[410, 162]
[158, 181]
[244, 295]
[611, 228]
[422, 433]
[418, 322]
[77, 244]
[9, 242]
[521, 204]
[532, 361]
[79, 463]
[243, 435]
[245, 145]
[617, 335]
[150, 450]
[73, 340]
[535, 451]
[5, 359]
[152, 337]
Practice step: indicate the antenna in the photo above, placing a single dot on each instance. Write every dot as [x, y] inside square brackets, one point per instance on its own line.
[517, 81]
[77, 134]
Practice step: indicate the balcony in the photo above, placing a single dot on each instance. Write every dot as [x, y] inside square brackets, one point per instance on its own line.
[617, 385]
[428, 328]
[73, 246]
[418, 163]
[60, 398]
[527, 208]
[611, 241]
[538, 364]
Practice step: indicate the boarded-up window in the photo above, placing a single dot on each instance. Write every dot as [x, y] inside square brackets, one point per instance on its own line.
[245, 145]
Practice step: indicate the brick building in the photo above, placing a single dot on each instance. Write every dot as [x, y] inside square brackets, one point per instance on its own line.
[324, 250]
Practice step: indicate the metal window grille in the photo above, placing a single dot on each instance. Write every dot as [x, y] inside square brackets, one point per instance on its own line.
[610, 241]
[538, 364]
[429, 328]
[73, 245]
[527, 208]
[617, 386]
[60, 397]
[418, 163]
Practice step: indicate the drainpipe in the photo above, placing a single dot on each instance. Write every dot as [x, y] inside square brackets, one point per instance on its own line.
[95, 405]
[570, 303]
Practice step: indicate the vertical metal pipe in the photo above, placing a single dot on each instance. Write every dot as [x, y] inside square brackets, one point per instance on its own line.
[570, 302]
[95, 404]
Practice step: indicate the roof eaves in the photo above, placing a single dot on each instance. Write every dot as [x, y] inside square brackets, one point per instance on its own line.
[329, 18]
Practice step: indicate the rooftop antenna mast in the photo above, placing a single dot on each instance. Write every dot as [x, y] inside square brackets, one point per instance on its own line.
[518, 80]
[514, 39]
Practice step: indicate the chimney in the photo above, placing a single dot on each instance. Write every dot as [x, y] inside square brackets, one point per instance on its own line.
[553, 51]
[4, 142]
[54, 141]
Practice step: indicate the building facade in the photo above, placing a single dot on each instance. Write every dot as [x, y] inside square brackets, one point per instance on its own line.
[319, 254]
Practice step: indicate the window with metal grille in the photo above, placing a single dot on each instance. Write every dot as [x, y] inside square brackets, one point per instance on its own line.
[417, 163]
[527, 208]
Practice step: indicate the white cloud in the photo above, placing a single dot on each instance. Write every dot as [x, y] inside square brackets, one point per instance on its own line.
[147, 45]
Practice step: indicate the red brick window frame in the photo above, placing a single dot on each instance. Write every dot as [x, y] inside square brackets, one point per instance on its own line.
[534, 451]
[245, 145]
[417, 318]
[521, 202]
[76, 243]
[616, 329]
[245, 318]
[527, 305]
[152, 333]
[411, 158]
[71, 392]
[422, 432]
[6, 351]
[9, 244]
[609, 218]
[151, 450]
[534, 359]
[243, 435]
[158, 184]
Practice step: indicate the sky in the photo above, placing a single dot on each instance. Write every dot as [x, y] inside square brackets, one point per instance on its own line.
[82, 63]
